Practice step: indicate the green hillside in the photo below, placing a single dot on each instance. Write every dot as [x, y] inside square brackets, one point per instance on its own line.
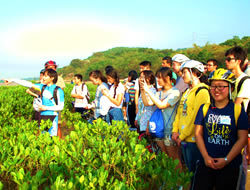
[124, 59]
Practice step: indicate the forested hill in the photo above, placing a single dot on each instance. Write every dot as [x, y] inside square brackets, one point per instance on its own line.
[124, 59]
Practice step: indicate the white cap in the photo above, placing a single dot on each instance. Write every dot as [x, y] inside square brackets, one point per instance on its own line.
[192, 64]
[180, 58]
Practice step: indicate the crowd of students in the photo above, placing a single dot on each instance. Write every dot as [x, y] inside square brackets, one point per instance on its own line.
[204, 110]
[204, 122]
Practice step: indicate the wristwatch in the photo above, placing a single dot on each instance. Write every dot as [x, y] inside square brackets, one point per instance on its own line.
[225, 159]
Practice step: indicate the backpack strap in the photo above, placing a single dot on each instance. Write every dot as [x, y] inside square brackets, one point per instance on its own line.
[241, 82]
[237, 111]
[55, 94]
[44, 86]
[200, 88]
[205, 109]
[87, 96]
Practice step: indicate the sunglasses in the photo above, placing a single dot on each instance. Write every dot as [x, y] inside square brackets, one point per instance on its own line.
[229, 59]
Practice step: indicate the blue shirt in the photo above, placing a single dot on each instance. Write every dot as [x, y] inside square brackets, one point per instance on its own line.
[48, 100]
[220, 132]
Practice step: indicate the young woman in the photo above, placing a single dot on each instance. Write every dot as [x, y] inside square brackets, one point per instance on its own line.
[191, 100]
[115, 95]
[100, 103]
[221, 133]
[51, 99]
[145, 110]
[166, 100]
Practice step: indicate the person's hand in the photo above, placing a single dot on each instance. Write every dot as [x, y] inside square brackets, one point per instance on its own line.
[6, 82]
[178, 141]
[90, 106]
[42, 108]
[141, 80]
[210, 162]
[145, 86]
[104, 91]
[220, 163]
[175, 136]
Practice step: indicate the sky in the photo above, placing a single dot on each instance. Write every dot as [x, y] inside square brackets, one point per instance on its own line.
[35, 31]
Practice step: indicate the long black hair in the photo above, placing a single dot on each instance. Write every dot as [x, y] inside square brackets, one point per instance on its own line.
[114, 75]
[165, 72]
[97, 74]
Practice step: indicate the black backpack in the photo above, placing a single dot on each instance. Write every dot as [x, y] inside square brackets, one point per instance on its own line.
[238, 90]
[54, 93]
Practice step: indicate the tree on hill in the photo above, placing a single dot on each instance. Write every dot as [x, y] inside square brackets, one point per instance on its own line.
[124, 59]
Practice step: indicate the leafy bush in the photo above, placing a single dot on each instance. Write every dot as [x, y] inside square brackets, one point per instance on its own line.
[98, 156]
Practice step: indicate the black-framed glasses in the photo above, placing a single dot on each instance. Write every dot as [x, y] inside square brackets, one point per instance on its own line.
[229, 59]
[218, 87]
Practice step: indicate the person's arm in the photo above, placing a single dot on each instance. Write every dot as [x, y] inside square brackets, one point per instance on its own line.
[161, 104]
[236, 150]
[137, 90]
[209, 161]
[21, 82]
[175, 130]
[29, 91]
[243, 94]
[119, 97]
[146, 99]
[136, 100]
[75, 95]
[117, 101]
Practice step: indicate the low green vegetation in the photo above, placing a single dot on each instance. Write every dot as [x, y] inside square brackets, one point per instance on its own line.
[97, 156]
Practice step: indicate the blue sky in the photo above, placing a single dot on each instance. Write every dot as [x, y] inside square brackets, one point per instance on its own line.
[32, 32]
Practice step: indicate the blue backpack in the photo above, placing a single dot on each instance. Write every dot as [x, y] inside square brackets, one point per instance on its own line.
[156, 124]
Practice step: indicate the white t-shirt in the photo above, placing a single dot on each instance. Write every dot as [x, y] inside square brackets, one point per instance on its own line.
[80, 103]
[244, 90]
[137, 84]
[119, 90]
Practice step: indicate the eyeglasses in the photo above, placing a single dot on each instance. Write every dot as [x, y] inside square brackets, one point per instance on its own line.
[229, 59]
[220, 88]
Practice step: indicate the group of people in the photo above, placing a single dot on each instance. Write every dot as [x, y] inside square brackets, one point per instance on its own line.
[204, 109]
[205, 115]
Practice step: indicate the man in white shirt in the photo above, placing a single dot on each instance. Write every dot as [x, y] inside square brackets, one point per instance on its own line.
[235, 60]
[80, 93]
